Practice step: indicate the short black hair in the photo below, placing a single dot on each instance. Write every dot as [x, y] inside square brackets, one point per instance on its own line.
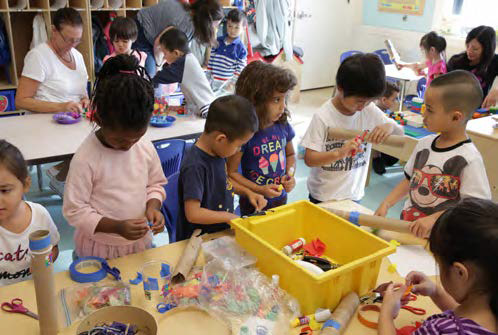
[468, 232]
[68, 16]
[362, 75]
[232, 115]
[123, 28]
[461, 90]
[12, 159]
[236, 16]
[123, 95]
[175, 39]
[433, 40]
[390, 89]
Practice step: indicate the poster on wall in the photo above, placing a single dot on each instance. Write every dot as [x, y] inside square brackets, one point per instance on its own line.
[410, 7]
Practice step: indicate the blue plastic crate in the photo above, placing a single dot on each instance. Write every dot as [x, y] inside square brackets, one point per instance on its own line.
[7, 100]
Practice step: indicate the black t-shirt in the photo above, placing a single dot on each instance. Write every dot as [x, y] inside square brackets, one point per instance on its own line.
[203, 177]
[461, 62]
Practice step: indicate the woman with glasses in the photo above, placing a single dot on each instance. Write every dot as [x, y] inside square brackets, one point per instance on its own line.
[54, 77]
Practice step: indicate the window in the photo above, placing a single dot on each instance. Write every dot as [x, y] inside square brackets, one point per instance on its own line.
[458, 17]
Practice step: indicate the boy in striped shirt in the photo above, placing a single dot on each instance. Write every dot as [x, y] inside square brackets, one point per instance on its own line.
[229, 58]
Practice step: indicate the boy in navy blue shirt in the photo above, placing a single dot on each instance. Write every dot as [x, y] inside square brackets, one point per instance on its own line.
[206, 192]
[229, 58]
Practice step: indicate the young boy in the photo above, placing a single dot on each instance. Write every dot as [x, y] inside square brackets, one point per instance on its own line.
[442, 168]
[229, 58]
[205, 190]
[182, 67]
[123, 32]
[336, 173]
[385, 103]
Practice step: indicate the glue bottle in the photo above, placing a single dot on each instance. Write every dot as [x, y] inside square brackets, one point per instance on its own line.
[320, 316]
[294, 246]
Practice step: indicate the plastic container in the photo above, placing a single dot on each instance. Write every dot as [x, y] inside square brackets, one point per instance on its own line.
[359, 252]
[155, 275]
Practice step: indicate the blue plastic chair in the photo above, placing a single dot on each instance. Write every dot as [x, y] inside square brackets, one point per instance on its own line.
[421, 86]
[349, 53]
[170, 153]
[384, 55]
[171, 206]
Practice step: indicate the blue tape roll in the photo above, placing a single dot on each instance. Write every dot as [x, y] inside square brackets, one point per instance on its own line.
[354, 218]
[37, 245]
[332, 324]
[87, 277]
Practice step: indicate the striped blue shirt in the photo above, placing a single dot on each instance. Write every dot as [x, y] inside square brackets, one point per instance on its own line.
[227, 60]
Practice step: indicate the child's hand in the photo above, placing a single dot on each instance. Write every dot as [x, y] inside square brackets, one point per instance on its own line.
[391, 302]
[72, 107]
[348, 148]
[85, 102]
[133, 229]
[422, 227]
[421, 284]
[288, 183]
[380, 133]
[270, 191]
[257, 201]
[156, 218]
[382, 209]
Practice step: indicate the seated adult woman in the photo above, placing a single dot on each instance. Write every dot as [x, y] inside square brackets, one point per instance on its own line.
[480, 59]
[54, 77]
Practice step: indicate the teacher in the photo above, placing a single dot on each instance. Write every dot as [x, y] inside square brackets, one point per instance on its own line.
[198, 20]
[54, 77]
[480, 59]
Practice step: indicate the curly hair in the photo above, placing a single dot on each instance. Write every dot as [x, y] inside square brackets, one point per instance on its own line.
[259, 81]
[123, 95]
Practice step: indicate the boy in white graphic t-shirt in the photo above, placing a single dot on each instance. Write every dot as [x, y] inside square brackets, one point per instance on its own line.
[336, 173]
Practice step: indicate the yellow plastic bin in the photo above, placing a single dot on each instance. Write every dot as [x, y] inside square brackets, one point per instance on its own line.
[359, 252]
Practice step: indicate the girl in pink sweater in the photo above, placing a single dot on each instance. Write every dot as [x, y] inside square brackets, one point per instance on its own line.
[114, 188]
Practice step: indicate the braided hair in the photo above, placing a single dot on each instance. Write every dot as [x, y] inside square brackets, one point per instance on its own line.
[123, 95]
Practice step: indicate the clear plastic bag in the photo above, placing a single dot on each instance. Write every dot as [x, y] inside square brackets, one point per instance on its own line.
[227, 251]
[80, 300]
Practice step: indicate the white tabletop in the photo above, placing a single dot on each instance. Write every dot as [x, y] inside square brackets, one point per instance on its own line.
[41, 139]
[403, 74]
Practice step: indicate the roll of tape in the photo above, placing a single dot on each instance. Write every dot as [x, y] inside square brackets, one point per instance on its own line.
[98, 275]
[354, 218]
[39, 244]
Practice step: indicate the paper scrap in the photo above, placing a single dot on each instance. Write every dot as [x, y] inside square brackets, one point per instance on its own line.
[413, 258]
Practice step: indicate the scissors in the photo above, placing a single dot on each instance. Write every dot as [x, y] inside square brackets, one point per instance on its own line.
[16, 306]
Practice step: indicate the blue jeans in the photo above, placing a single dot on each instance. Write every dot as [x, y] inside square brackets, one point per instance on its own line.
[144, 45]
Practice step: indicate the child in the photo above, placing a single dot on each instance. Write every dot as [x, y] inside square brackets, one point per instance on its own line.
[206, 192]
[385, 103]
[123, 33]
[229, 58]
[182, 67]
[337, 174]
[114, 188]
[433, 47]
[267, 160]
[464, 242]
[18, 218]
[447, 167]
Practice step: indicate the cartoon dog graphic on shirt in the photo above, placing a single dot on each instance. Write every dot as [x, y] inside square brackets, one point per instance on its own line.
[433, 189]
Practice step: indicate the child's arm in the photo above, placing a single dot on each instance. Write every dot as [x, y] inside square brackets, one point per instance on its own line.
[416, 67]
[155, 191]
[391, 304]
[288, 181]
[314, 158]
[169, 74]
[424, 286]
[198, 215]
[269, 191]
[399, 192]
[257, 200]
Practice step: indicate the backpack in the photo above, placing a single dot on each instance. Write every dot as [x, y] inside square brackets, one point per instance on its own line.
[100, 49]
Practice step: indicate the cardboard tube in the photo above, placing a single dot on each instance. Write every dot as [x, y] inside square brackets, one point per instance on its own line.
[342, 315]
[43, 276]
[349, 134]
[374, 221]
[188, 258]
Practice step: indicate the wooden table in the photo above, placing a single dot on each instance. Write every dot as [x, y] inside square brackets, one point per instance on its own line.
[404, 75]
[130, 264]
[485, 137]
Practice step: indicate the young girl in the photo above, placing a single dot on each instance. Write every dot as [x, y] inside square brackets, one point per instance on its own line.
[268, 159]
[18, 218]
[433, 47]
[114, 188]
[123, 33]
[464, 242]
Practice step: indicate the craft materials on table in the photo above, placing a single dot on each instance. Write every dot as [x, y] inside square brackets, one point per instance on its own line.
[91, 262]
[188, 258]
[42, 269]
[341, 315]
[67, 117]
[359, 139]
[372, 221]
[162, 121]
[309, 255]
[409, 257]
[320, 316]
[155, 275]
[294, 246]
[16, 306]
[115, 328]
[228, 252]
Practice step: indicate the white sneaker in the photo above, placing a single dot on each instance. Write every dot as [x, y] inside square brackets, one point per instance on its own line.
[57, 186]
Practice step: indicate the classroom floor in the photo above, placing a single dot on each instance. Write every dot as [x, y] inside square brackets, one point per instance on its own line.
[310, 101]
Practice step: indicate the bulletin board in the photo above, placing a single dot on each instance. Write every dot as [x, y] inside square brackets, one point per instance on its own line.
[410, 7]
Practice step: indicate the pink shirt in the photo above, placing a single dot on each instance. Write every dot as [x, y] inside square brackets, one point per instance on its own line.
[104, 182]
[140, 55]
[434, 70]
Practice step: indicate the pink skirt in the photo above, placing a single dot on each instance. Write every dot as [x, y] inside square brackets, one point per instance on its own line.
[85, 246]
